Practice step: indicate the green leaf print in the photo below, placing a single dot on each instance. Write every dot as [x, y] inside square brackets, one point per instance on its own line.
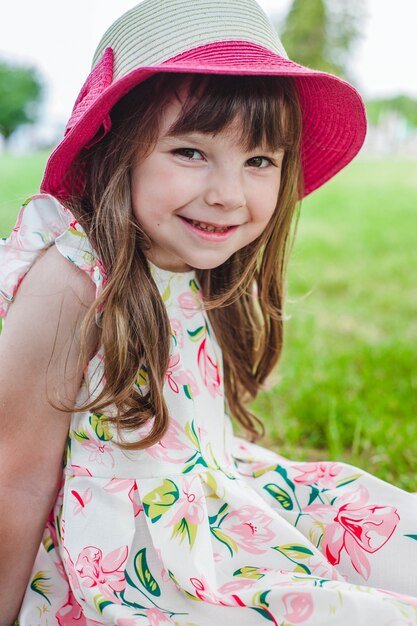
[143, 573]
[81, 435]
[314, 494]
[100, 602]
[166, 294]
[78, 233]
[194, 287]
[411, 537]
[197, 334]
[275, 468]
[261, 605]
[283, 472]
[174, 580]
[101, 426]
[213, 518]
[347, 480]
[265, 613]
[225, 539]
[264, 470]
[88, 257]
[183, 529]
[280, 495]
[187, 391]
[40, 586]
[259, 598]
[294, 551]
[142, 377]
[192, 435]
[67, 453]
[158, 501]
[196, 459]
[48, 543]
[251, 573]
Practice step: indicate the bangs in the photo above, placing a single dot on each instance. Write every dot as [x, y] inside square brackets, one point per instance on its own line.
[264, 107]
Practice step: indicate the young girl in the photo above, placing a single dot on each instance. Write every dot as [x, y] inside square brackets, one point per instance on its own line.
[144, 297]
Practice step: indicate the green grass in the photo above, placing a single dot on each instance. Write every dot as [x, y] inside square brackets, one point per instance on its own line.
[20, 177]
[346, 386]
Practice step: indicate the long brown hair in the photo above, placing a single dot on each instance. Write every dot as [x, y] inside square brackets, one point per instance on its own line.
[135, 331]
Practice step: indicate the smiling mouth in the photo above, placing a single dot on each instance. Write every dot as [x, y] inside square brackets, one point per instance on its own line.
[211, 228]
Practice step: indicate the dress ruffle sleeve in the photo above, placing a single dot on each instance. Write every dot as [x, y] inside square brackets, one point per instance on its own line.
[42, 222]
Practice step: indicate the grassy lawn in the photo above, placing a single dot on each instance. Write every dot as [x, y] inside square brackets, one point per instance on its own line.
[346, 386]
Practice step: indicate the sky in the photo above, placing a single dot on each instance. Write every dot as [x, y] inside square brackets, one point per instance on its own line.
[59, 38]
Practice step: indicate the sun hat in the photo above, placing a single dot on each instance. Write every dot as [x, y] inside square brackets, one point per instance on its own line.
[210, 37]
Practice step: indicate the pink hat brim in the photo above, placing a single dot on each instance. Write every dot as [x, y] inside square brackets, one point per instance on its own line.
[333, 114]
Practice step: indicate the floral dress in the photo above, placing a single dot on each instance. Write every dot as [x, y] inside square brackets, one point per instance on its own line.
[203, 527]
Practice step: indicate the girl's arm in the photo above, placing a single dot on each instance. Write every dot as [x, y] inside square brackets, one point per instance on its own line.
[39, 349]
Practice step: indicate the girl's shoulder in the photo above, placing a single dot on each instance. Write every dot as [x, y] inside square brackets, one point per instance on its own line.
[42, 222]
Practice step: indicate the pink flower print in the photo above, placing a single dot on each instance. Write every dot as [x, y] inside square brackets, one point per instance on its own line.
[176, 376]
[322, 474]
[176, 328]
[189, 506]
[135, 500]
[71, 613]
[173, 364]
[116, 485]
[249, 528]
[355, 526]
[75, 225]
[411, 600]
[203, 591]
[72, 574]
[209, 370]
[189, 304]
[77, 470]
[101, 452]
[236, 585]
[298, 607]
[321, 568]
[81, 500]
[105, 573]
[157, 617]
[186, 378]
[171, 448]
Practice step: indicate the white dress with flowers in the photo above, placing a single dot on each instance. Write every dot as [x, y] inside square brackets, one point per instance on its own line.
[203, 527]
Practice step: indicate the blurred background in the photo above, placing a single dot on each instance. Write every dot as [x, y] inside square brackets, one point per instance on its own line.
[346, 386]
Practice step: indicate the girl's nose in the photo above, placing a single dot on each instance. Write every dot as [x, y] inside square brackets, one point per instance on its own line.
[225, 189]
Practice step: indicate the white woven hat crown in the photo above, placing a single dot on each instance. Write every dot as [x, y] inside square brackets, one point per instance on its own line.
[157, 30]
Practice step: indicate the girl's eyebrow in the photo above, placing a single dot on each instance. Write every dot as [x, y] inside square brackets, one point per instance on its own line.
[192, 135]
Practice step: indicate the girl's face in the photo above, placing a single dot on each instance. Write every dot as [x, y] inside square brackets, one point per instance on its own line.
[201, 197]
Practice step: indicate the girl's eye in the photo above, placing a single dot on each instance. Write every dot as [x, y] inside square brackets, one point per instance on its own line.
[189, 153]
[259, 162]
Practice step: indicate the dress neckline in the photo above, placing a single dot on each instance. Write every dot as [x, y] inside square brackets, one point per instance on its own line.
[166, 275]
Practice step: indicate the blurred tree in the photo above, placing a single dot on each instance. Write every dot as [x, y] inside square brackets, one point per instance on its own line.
[321, 33]
[20, 93]
[403, 105]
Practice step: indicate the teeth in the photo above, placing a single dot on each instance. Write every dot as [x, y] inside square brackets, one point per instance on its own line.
[209, 227]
